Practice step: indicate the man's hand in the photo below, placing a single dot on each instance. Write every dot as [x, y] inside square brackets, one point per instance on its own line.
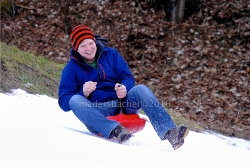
[121, 90]
[88, 88]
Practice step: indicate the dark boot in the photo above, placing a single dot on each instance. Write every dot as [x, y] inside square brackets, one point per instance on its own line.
[176, 136]
[121, 133]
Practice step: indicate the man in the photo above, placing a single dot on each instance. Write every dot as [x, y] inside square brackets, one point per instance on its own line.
[93, 80]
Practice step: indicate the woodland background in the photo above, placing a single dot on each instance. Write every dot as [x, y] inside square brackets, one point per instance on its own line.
[199, 68]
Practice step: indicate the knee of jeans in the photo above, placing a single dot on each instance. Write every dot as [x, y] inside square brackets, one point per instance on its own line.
[138, 91]
[140, 88]
[73, 100]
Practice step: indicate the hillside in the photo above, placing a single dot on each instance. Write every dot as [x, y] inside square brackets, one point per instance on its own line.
[200, 68]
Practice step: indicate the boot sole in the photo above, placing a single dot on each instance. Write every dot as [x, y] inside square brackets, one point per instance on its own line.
[182, 129]
[178, 144]
[181, 139]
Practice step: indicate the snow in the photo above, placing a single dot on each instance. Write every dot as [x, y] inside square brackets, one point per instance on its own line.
[35, 132]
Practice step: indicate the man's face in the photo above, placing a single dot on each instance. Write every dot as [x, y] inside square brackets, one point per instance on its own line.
[87, 49]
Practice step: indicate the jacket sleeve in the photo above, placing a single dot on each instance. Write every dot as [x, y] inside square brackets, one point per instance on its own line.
[67, 88]
[122, 71]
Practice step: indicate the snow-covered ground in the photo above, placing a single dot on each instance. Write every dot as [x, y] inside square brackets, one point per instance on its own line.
[35, 132]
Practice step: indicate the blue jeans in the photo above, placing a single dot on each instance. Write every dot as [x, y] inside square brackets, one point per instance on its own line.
[93, 115]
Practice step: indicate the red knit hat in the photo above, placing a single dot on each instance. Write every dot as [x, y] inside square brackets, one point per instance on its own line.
[79, 33]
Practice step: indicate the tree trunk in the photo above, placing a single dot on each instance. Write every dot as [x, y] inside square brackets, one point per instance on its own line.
[7, 8]
[177, 14]
[181, 11]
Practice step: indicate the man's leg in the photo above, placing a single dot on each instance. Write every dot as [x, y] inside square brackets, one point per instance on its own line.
[91, 117]
[142, 97]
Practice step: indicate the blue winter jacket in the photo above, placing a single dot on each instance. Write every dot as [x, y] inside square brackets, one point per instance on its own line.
[111, 69]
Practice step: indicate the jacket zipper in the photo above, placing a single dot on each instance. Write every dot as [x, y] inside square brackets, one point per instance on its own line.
[103, 72]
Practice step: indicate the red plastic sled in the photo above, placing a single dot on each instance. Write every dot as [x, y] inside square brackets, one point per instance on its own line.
[133, 122]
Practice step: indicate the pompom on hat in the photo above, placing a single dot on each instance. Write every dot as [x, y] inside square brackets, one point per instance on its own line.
[79, 33]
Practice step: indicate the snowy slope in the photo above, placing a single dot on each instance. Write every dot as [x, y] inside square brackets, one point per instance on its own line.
[35, 132]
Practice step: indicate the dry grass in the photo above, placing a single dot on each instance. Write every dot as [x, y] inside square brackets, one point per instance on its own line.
[32, 73]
